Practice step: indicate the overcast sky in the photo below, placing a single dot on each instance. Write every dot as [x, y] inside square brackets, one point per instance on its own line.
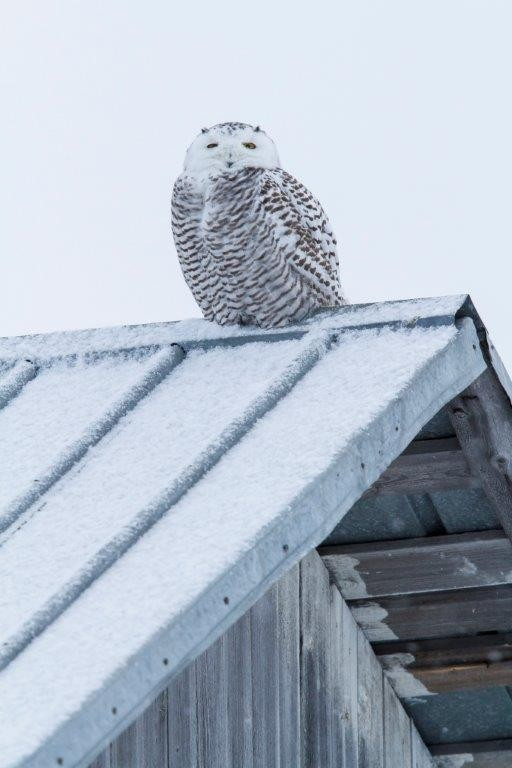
[397, 115]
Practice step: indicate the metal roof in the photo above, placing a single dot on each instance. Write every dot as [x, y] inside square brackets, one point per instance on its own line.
[154, 481]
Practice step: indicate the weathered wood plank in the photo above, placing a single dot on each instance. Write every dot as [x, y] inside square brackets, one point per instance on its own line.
[293, 682]
[123, 750]
[436, 614]
[182, 719]
[316, 725]
[397, 731]
[449, 664]
[482, 419]
[144, 743]
[152, 737]
[432, 445]
[289, 668]
[265, 679]
[460, 677]
[370, 706]
[103, 760]
[337, 669]
[420, 755]
[349, 688]
[213, 749]
[474, 754]
[452, 650]
[239, 691]
[414, 566]
[427, 465]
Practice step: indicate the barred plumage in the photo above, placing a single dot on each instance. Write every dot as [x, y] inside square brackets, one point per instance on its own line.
[254, 245]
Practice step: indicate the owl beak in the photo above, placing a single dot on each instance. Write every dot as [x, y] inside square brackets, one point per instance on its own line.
[229, 163]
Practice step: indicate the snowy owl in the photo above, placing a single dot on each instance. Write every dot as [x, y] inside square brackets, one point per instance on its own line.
[254, 245]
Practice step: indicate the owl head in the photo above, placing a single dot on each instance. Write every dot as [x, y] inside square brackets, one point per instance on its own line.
[228, 147]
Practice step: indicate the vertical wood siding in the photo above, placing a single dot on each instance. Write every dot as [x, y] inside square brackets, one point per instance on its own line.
[397, 730]
[370, 706]
[293, 684]
[316, 680]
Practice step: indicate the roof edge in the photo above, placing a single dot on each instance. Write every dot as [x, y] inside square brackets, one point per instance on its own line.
[491, 355]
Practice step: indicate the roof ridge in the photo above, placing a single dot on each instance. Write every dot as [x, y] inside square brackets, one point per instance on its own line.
[190, 333]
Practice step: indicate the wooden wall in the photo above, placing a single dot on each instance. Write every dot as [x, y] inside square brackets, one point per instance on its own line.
[293, 684]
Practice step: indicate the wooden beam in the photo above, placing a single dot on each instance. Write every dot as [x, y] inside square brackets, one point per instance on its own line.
[436, 614]
[452, 650]
[427, 465]
[432, 445]
[416, 566]
[476, 754]
[448, 664]
[463, 677]
[482, 419]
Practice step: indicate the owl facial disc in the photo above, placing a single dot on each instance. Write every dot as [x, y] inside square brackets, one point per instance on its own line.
[228, 147]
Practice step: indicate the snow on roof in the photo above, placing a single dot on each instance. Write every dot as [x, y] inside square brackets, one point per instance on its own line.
[202, 332]
[155, 480]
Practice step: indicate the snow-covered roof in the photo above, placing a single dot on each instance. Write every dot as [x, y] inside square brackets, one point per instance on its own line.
[154, 480]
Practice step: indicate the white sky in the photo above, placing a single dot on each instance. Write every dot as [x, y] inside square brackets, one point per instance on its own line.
[396, 114]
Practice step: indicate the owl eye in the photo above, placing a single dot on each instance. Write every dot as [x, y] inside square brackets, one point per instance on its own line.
[211, 146]
[249, 145]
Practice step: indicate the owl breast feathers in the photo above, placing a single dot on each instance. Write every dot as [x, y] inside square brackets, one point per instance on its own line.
[255, 246]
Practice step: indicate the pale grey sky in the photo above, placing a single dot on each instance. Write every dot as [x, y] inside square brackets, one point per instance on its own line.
[396, 114]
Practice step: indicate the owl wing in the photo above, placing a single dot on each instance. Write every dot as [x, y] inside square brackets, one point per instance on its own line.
[293, 208]
[186, 211]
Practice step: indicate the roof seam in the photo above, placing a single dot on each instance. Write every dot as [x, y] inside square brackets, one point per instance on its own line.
[94, 356]
[147, 517]
[291, 334]
[392, 325]
[165, 362]
[15, 379]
